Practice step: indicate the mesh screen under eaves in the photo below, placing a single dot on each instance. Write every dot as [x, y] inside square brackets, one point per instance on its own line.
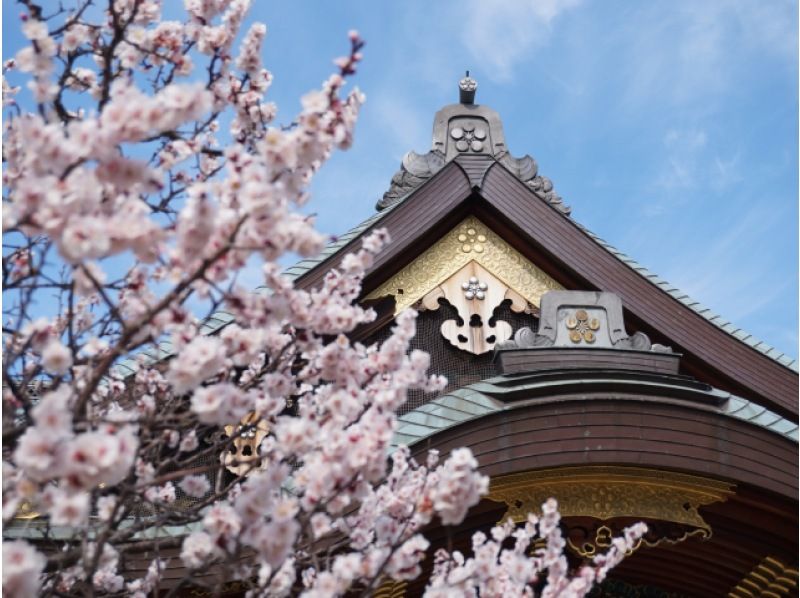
[460, 367]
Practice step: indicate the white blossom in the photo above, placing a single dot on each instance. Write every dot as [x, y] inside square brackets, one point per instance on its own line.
[56, 358]
[195, 486]
[22, 565]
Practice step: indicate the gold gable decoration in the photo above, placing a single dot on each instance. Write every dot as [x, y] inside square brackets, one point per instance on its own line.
[391, 588]
[470, 241]
[609, 492]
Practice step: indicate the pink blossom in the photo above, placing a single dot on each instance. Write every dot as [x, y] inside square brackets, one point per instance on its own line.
[102, 456]
[52, 415]
[161, 494]
[22, 565]
[197, 549]
[188, 442]
[459, 486]
[198, 360]
[195, 486]
[221, 403]
[56, 358]
[37, 454]
[69, 509]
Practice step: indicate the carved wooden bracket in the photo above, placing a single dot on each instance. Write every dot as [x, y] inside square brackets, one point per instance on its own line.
[475, 293]
[243, 457]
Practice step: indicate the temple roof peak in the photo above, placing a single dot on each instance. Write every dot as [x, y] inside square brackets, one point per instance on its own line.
[467, 131]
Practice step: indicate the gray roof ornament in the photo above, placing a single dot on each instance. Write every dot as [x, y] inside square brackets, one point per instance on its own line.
[466, 90]
[581, 319]
[473, 133]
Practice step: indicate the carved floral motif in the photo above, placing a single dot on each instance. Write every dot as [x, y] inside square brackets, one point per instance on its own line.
[475, 293]
[450, 254]
[469, 136]
[582, 327]
[474, 289]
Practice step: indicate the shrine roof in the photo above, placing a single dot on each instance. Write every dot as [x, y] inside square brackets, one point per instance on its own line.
[471, 137]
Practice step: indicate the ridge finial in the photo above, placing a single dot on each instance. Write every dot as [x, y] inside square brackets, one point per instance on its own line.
[466, 89]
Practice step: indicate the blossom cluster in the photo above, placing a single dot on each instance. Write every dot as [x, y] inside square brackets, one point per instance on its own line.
[513, 570]
[145, 176]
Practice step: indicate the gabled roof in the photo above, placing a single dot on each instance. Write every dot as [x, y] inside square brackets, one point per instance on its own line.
[303, 267]
[433, 191]
[493, 187]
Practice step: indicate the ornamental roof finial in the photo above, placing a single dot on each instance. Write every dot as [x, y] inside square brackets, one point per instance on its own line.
[466, 89]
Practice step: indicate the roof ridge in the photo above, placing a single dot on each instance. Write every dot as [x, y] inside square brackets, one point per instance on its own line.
[697, 307]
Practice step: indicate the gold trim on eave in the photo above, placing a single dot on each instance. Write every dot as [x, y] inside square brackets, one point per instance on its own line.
[470, 241]
[606, 492]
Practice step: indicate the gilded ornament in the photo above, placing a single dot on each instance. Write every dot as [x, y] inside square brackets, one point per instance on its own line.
[602, 540]
[470, 240]
[243, 457]
[607, 492]
[581, 327]
[390, 588]
[769, 578]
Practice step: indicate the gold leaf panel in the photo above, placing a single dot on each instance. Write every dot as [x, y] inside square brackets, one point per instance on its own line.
[606, 492]
[469, 241]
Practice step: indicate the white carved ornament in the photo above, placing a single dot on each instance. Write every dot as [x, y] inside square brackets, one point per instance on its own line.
[475, 293]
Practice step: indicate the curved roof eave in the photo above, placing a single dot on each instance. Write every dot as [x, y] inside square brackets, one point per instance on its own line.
[470, 402]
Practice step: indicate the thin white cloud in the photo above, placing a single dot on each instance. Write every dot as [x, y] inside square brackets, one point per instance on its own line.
[501, 34]
[718, 274]
[403, 126]
[695, 50]
[681, 164]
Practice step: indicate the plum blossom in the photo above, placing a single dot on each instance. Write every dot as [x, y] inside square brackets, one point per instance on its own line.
[198, 547]
[198, 360]
[195, 486]
[22, 566]
[56, 358]
[102, 456]
[221, 403]
[161, 494]
[126, 197]
[37, 454]
[69, 509]
[458, 487]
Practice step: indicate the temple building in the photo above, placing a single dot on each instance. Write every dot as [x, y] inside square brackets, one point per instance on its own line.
[575, 373]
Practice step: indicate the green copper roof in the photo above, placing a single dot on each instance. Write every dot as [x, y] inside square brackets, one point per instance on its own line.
[472, 402]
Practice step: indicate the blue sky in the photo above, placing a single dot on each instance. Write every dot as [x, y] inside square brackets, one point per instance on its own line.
[670, 127]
